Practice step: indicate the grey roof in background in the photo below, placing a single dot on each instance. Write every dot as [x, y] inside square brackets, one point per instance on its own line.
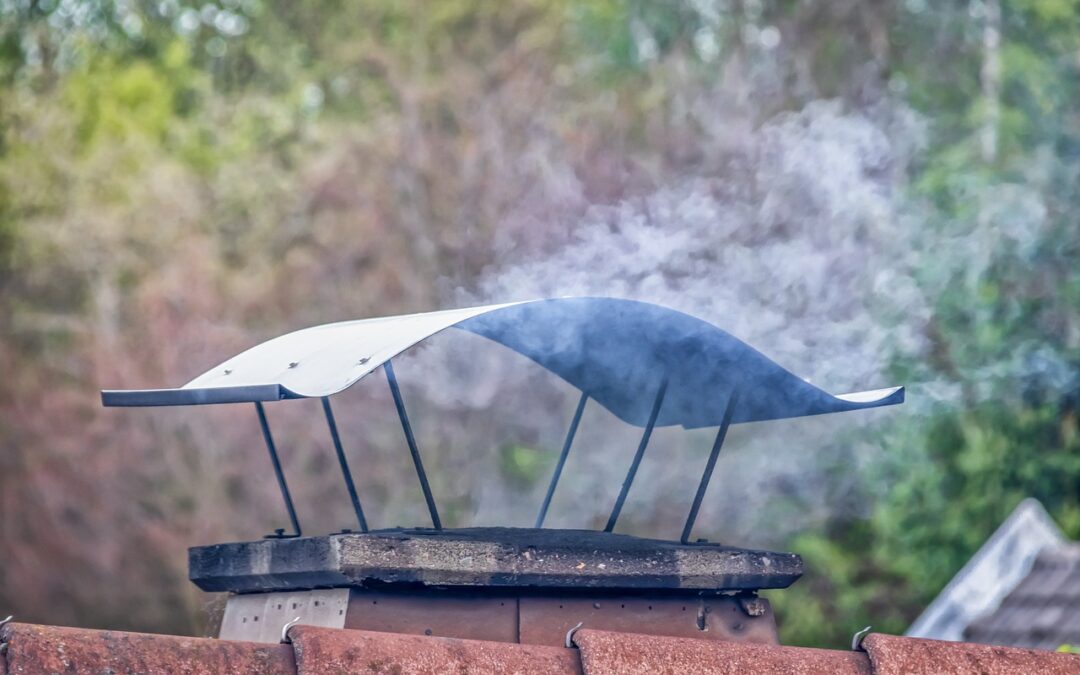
[992, 573]
[617, 351]
[1043, 611]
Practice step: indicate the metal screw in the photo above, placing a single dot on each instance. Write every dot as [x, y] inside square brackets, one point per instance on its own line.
[228, 371]
[364, 360]
[293, 364]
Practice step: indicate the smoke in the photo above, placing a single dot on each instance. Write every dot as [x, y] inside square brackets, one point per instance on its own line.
[794, 241]
[799, 237]
[796, 249]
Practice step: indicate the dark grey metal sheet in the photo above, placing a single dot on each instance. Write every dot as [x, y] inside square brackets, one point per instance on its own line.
[195, 396]
[617, 351]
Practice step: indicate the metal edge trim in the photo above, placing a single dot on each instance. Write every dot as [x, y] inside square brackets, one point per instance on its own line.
[140, 398]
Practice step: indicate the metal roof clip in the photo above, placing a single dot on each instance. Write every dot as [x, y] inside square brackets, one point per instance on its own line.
[570, 634]
[285, 639]
[4, 645]
[857, 638]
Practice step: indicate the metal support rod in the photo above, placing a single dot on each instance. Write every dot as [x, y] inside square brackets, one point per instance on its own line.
[562, 459]
[330, 422]
[279, 534]
[637, 456]
[709, 466]
[407, 428]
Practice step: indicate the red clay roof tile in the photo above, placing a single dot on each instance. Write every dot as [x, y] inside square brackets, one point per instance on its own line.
[46, 649]
[330, 650]
[604, 653]
[891, 655]
[36, 650]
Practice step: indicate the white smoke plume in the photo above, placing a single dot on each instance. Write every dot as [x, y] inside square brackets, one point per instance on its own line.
[800, 239]
[795, 244]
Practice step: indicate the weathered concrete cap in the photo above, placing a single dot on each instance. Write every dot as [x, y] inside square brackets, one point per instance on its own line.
[508, 558]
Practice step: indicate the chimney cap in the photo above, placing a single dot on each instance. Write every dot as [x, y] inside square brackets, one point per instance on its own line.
[490, 558]
[616, 351]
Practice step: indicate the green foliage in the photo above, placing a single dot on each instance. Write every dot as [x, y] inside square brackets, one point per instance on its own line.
[115, 102]
[522, 465]
[949, 486]
[1003, 334]
[7, 234]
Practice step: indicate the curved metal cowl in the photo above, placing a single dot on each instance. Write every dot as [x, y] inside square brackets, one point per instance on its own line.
[619, 352]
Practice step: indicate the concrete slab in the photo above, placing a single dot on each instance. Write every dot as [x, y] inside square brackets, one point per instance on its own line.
[496, 558]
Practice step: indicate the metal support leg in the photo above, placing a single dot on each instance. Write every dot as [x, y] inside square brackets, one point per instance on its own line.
[330, 422]
[709, 466]
[280, 533]
[407, 428]
[637, 457]
[562, 459]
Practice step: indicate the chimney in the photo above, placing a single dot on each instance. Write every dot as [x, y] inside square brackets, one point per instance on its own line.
[648, 365]
[505, 584]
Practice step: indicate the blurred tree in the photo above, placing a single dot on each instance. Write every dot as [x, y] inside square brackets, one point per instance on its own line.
[1000, 180]
[180, 179]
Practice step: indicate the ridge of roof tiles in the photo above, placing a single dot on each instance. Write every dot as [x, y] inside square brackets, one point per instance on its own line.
[1041, 611]
[28, 648]
[995, 570]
